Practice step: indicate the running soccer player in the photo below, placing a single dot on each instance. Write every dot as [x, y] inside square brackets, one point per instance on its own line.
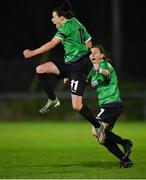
[76, 42]
[103, 79]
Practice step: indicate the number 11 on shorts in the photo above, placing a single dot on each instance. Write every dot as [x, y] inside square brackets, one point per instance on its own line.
[74, 85]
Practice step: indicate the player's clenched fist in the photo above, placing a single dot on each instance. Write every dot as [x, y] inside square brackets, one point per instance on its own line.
[27, 53]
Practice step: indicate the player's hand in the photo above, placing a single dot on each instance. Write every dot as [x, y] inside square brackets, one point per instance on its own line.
[27, 53]
[66, 80]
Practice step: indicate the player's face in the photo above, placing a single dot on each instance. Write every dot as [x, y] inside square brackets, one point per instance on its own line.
[96, 55]
[56, 19]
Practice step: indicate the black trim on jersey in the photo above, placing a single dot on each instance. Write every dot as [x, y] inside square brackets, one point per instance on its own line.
[62, 34]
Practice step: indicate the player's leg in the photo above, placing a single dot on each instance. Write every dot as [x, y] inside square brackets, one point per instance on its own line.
[112, 137]
[107, 115]
[126, 143]
[48, 67]
[115, 150]
[78, 105]
[77, 83]
[109, 118]
[49, 83]
[78, 72]
[47, 74]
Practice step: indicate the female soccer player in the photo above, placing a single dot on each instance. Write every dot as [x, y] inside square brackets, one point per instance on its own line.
[103, 79]
[76, 42]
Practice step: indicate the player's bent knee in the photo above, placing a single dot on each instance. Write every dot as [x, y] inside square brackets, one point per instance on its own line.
[39, 70]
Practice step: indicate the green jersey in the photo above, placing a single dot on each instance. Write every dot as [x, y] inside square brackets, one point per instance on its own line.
[106, 86]
[73, 35]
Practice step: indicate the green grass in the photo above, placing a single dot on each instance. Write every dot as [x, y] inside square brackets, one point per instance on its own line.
[66, 150]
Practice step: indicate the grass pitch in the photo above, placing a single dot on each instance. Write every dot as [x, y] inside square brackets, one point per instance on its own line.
[66, 150]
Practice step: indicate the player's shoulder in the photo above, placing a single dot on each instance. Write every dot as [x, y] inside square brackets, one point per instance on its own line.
[106, 64]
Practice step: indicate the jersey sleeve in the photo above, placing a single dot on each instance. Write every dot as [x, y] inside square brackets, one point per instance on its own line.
[87, 36]
[62, 33]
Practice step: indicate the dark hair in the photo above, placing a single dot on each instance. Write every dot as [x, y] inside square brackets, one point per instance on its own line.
[65, 10]
[102, 50]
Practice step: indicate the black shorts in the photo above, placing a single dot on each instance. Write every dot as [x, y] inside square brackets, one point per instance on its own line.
[76, 72]
[109, 113]
[62, 69]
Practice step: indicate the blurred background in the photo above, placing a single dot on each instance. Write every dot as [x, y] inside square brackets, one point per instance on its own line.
[119, 25]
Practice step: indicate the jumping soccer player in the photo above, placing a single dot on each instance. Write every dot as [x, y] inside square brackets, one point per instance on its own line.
[76, 42]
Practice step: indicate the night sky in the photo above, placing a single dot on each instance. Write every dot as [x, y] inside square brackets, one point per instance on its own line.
[27, 24]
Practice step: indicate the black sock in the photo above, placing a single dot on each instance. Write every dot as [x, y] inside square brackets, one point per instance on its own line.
[114, 138]
[48, 82]
[114, 149]
[85, 111]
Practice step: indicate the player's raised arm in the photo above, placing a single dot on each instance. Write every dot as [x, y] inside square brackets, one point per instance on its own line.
[46, 47]
[89, 44]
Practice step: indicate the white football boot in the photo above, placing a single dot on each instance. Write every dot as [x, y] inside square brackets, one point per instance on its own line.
[50, 104]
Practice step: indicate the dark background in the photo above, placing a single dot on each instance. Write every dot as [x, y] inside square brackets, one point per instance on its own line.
[119, 25]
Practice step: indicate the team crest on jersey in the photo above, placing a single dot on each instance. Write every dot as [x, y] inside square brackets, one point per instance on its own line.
[94, 84]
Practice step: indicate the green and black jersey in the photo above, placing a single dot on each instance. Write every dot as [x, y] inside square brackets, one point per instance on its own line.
[73, 35]
[106, 86]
